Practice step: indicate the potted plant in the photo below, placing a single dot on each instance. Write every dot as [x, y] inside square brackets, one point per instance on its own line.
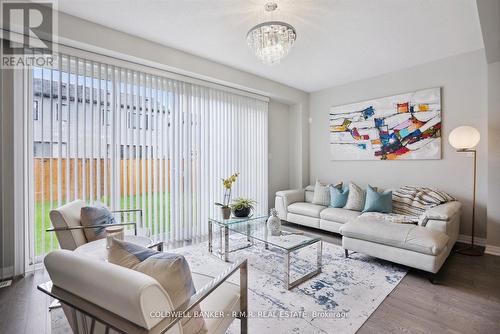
[228, 184]
[242, 207]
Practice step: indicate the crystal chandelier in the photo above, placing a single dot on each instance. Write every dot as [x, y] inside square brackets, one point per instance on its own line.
[272, 40]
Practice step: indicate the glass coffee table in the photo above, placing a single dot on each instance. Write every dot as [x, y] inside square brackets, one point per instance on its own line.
[255, 230]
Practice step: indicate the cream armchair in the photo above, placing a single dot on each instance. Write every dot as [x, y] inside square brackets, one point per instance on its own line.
[68, 227]
[100, 297]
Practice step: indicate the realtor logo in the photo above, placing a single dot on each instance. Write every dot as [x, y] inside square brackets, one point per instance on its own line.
[27, 33]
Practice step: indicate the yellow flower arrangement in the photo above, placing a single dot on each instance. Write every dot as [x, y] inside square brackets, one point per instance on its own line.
[228, 183]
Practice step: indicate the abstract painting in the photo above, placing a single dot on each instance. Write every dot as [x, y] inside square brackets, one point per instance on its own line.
[399, 127]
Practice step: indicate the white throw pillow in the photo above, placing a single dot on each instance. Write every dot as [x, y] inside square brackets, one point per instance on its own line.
[170, 270]
[356, 198]
[322, 193]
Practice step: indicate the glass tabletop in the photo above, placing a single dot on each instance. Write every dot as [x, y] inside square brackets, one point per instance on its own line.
[235, 220]
[287, 240]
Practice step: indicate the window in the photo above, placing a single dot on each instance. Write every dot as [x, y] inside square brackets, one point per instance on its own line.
[35, 110]
[64, 112]
[42, 150]
[137, 140]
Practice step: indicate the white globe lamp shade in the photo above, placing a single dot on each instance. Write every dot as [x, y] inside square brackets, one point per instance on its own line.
[464, 137]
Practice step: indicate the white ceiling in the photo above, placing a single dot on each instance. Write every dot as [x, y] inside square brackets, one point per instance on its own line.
[338, 41]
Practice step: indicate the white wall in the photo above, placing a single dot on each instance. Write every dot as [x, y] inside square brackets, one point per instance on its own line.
[463, 80]
[494, 154]
[278, 149]
[489, 15]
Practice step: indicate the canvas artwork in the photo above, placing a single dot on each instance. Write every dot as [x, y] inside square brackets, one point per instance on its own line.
[399, 127]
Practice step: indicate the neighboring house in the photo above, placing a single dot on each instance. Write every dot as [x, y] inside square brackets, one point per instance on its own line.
[58, 121]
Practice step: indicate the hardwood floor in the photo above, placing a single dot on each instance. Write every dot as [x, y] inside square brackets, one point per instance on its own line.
[465, 300]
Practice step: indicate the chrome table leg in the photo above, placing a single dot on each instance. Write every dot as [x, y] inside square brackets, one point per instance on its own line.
[226, 244]
[287, 270]
[290, 285]
[209, 236]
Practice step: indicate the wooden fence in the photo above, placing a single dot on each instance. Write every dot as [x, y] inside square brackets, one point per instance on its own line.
[46, 172]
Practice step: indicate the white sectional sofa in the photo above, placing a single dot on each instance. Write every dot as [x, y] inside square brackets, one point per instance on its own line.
[422, 247]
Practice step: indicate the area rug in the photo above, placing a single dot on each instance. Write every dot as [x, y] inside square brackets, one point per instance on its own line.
[339, 300]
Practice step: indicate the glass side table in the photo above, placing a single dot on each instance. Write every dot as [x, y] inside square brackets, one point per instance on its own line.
[223, 225]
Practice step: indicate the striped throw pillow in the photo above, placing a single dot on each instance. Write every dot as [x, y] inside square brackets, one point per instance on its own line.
[414, 201]
[322, 193]
[356, 198]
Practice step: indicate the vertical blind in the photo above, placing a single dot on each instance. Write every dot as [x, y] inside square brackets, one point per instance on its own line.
[130, 139]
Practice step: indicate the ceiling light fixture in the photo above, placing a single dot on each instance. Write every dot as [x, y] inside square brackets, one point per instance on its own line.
[272, 40]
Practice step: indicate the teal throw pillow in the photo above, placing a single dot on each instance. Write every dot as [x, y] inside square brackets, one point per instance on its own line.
[378, 202]
[338, 196]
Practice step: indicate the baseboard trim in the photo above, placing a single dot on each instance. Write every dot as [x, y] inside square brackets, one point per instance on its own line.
[492, 250]
[467, 239]
[489, 249]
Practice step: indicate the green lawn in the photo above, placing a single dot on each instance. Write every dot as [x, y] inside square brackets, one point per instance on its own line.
[44, 244]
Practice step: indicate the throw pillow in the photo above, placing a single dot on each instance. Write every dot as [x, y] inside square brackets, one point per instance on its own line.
[95, 215]
[356, 198]
[378, 202]
[338, 196]
[321, 194]
[170, 270]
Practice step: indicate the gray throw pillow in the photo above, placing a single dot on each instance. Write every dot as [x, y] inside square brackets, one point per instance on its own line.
[95, 215]
[321, 194]
[170, 270]
[356, 198]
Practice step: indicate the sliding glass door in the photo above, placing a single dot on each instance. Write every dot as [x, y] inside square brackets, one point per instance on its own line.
[131, 139]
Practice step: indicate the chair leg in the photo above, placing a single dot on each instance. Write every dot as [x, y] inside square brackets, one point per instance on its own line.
[244, 324]
[346, 252]
[244, 299]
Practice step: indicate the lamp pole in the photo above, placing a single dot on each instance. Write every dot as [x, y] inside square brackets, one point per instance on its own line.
[472, 250]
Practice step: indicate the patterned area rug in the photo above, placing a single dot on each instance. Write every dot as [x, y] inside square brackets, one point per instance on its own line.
[339, 300]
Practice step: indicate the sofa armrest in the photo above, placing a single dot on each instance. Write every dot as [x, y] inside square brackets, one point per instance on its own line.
[286, 197]
[444, 218]
[444, 211]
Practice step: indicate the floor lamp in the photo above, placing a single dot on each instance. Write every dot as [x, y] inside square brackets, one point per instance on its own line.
[464, 139]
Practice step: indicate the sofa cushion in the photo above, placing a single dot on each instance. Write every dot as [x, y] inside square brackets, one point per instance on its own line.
[339, 215]
[406, 236]
[306, 209]
[226, 298]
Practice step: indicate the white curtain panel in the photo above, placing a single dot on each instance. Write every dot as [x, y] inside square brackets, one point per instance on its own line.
[130, 139]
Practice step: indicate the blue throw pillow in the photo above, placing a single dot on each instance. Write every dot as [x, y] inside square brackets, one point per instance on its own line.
[338, 196]
[95, 215]
[378, 202]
